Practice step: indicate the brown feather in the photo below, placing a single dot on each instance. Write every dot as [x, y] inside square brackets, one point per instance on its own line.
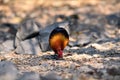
[58, 40]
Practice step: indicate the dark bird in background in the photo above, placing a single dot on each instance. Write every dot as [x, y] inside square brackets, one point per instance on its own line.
[58, 40]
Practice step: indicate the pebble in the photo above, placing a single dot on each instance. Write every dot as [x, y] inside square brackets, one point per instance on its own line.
[7, 31]
[30, 76]
[86, 69]
[30, 46]
[4, 46]
[27, 40]
[75, 48]
[51, 76]
[8, 71]
[114, 19]
[103, 47]
[97, 55]
[29, 28]
[71, 44]
[83, 42]
[113, 70]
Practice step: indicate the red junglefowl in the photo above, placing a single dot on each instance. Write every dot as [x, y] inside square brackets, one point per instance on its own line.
[58, 40]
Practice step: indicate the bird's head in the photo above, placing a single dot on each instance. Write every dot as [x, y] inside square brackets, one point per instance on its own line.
[60, 54]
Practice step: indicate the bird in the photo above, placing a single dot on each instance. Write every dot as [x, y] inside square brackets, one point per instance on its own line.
[58, 40]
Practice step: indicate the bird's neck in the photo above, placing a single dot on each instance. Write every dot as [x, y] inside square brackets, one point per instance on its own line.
[60, 53]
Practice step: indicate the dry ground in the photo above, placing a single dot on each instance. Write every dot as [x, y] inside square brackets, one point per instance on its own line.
[91, 62]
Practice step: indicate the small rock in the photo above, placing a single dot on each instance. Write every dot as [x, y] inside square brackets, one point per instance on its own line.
[75, 48]
[86, 69]
[82, 76]
[72, 66]
[96, 55]
[7, 31]
[83, 42]
[86, 77]
[45, 65]
[88, 50]
[67, 48]
[114, 19]
[71, 44]
[74, 77]
[5, 36]
[30, 76]
[113, 70]
[28, 29]
[8, 71]
[23, 43]
[108, 77]
[7, 46]
[51, 76]
[30, 46]
[117, 77]
[103, 47]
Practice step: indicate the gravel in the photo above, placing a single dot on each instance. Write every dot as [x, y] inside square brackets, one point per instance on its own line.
[92, 54]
